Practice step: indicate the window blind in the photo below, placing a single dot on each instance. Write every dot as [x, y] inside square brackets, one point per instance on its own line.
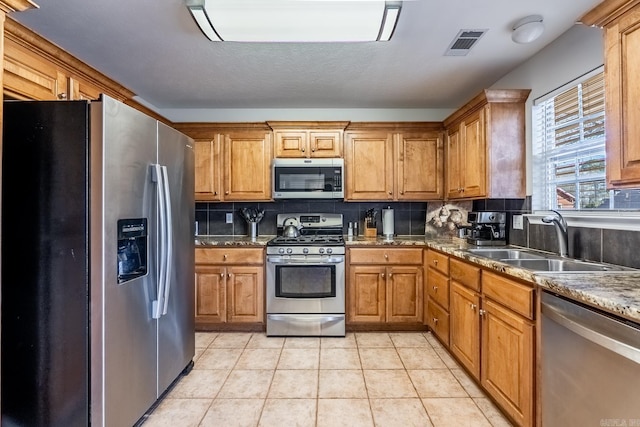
[568, 148]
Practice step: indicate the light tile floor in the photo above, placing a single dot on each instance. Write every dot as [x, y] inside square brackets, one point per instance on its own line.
[365, 379]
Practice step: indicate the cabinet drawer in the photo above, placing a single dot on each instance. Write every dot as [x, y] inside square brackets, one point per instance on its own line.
[229, 256]
[438, 287]
[386, 256]
[438, 321]
[513, 295]
[465, 274]
[438, 261]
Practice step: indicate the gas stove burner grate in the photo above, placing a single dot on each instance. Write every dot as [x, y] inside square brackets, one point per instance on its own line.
[308, 240]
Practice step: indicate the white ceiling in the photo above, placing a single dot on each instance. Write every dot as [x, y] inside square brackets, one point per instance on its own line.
[155, 49]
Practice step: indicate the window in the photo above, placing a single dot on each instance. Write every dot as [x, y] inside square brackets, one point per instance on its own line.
[569, 150]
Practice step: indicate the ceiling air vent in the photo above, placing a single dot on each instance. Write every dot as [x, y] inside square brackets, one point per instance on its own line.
[464, 41]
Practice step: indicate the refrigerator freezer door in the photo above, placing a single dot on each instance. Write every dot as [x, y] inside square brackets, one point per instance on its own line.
[124, 338]
[45, 284]
[176, 327]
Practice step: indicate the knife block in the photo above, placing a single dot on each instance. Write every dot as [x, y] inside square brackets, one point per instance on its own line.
[370, 232]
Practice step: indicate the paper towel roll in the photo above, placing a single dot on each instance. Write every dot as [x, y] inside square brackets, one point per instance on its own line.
[387, 223]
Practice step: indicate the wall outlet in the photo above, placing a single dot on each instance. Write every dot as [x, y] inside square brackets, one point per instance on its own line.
[518, 222]
[229, 218]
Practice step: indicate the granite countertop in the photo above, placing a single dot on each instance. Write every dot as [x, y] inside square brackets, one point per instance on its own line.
[614, 292]
[204, 241]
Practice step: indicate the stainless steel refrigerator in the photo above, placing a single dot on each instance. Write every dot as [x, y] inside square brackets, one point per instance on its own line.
[97, 262]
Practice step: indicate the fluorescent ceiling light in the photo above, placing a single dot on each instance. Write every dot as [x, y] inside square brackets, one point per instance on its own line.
[296, 20]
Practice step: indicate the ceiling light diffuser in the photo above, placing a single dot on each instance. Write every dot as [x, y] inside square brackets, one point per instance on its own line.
[296, 20]
[527, 29]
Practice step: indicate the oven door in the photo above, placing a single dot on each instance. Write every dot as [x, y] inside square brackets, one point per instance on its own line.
[307, 284]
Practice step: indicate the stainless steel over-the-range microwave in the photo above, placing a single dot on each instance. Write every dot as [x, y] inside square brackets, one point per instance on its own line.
[308, 179]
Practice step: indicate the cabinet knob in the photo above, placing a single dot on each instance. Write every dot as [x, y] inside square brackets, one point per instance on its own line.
[313, 150]
[382, 275]
[473, 306]
[222, 275]
[303, 150]
[226, 192]
[435, 262]
[215, 193]
[435, 320]
[482, 312]
[435, 288]
[390, 193]
[390, 275]
[229, 275]
[224, 257]
[62, 95]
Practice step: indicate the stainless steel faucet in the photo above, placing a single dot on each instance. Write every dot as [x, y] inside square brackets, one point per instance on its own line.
[561, 230]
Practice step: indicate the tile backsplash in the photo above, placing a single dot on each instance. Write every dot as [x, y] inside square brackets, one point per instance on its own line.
[409, 216]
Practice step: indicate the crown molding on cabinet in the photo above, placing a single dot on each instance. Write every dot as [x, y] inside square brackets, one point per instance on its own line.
[607, 12]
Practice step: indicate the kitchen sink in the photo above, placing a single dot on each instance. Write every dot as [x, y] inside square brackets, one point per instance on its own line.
[563, 265]
[503, 254]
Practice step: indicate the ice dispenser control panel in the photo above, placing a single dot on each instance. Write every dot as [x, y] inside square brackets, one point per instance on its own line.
[132, 249]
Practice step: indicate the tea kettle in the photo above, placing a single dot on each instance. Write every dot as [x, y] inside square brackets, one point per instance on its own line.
[290, 230]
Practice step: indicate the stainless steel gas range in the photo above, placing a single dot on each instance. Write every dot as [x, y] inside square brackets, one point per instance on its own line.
[306, 277]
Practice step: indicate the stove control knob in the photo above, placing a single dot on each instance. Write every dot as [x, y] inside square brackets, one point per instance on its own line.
[289, 250]
[321, 250]
[281, 250]
[305, 251]
[329, 250]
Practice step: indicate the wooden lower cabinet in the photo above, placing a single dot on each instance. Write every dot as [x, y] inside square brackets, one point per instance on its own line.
[229, 293]
[387, 293]
[464, 325]
[508, 361]
[489, 328]
[436, 266]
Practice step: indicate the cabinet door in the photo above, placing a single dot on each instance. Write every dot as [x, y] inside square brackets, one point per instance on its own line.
[369, 165]
[210, 294]
[291, 144]
[245, 296]
[419, 160]
[438, 321]
[79, 90]
[404, 294]
[622, 44]
[367, 294]
[28, 76]
[438, 287]
[325, 143]
[207, 171]
[247, 166]
[465, 327]
[508, 361]
[454, 162]
[474, 165]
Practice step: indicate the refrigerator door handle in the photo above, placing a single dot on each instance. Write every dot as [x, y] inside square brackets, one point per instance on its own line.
[158, 178]
[169, 238]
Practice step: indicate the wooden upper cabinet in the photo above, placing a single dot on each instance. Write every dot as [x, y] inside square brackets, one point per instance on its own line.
[485, 154]
[232, 161]
[247, 165]
[207, 169]
[394, 161]
[28, 76]
[308, 139]
[369, 165]
[621, 23]
[419, 161]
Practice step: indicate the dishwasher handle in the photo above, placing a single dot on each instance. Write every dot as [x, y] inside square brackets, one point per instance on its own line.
[602, 330]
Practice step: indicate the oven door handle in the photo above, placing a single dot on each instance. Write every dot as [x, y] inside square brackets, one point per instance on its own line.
[305, 260]
[304, 318]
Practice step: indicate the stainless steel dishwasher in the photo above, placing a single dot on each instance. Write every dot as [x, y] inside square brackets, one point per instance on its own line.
[590, 366]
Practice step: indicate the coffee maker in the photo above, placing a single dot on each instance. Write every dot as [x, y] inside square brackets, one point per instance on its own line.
[487, 228]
